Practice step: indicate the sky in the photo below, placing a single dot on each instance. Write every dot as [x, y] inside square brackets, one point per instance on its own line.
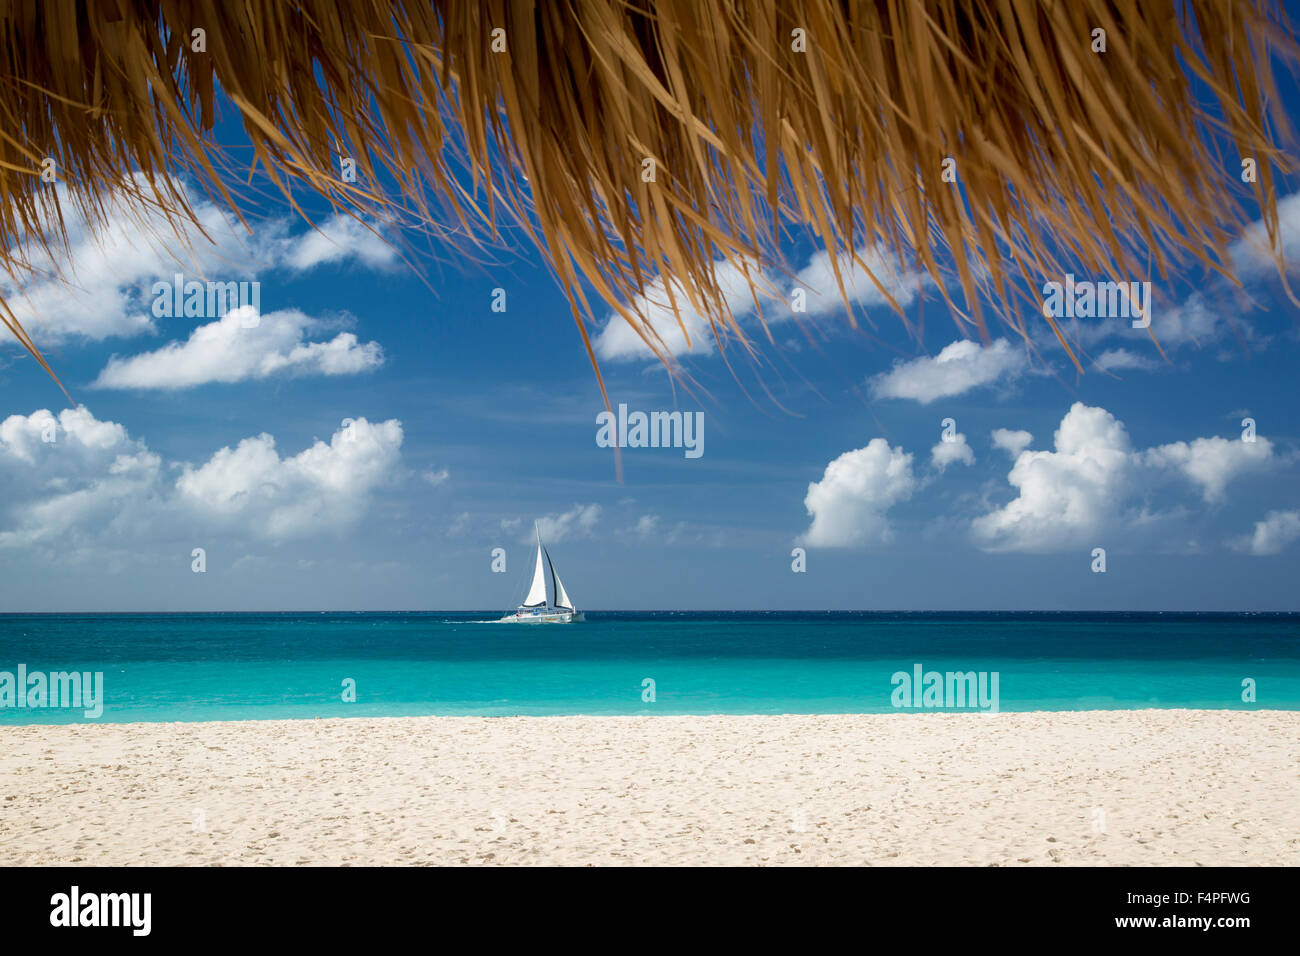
[371, 430]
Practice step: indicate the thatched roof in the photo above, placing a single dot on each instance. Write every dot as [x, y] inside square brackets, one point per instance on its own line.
[835, 115]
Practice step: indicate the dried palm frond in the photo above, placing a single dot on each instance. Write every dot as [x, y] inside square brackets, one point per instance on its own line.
[835, 115]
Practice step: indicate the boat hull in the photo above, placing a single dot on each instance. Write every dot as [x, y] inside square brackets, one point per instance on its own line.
[543, 617]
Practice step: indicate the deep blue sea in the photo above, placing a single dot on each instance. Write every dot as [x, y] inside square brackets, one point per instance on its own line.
[161, 667]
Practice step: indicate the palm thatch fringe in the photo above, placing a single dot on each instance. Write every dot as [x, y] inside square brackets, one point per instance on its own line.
[834, 115]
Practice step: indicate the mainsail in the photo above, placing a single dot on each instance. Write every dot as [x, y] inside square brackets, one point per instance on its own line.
[537, 593]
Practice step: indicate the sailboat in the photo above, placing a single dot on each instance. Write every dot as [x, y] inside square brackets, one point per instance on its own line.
[536, 609]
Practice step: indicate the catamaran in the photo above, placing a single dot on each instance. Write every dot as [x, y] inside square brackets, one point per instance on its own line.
[536, 609]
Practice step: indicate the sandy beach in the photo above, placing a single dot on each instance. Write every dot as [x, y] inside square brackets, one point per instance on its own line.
[1150, 787]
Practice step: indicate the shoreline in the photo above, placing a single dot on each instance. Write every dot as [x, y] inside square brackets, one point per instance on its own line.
[1110, 787]
[948, 712]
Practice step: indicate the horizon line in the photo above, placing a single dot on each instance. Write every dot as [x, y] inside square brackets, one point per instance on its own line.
[679, 611]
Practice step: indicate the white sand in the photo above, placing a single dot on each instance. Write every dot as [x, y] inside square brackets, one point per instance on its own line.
[1118, 787]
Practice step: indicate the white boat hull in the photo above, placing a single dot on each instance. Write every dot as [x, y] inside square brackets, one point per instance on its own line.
[541, 616]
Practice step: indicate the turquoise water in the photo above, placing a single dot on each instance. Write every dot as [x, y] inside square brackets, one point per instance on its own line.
[259, 666]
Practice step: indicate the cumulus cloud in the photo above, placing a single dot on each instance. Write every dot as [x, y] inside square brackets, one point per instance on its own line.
[325, 487]
[71, 475]
[241, 346]
[685, 331]
[1211, 463]
[110, 271]
[74, 479]
[947, 453]
[960, 367]
[848, 505]
[1272, 535]
[24, 436]
[1011, 441]
[1082, 488]
[580, 520]
[1065, 494]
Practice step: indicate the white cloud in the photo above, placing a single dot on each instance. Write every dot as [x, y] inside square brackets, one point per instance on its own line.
[227, 350]
[1204, 317]
[336, 239]
[94, 483]
[110, 269]
[1272, 535]
[1066, 494]
[618, 342]
[1251, 254]
[23, 436]
[1113, 360]
[1211, 463]
[823, 294]
[1200, 320]
[960, 367]
[325, 487]
[947, 453]
[1011, 441]
[1089, 484]
[849, 504]
[580, 520]
[646, 525]
[92, 477]
[1193, 322]
[436, 478]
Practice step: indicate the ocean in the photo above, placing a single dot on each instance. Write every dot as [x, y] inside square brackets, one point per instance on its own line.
[235, 666]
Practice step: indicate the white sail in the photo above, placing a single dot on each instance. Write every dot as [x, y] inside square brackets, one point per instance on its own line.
[537, 593]
[561, 596]
[536, 608]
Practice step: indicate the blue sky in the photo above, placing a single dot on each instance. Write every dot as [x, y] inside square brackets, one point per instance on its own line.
[468, 424]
